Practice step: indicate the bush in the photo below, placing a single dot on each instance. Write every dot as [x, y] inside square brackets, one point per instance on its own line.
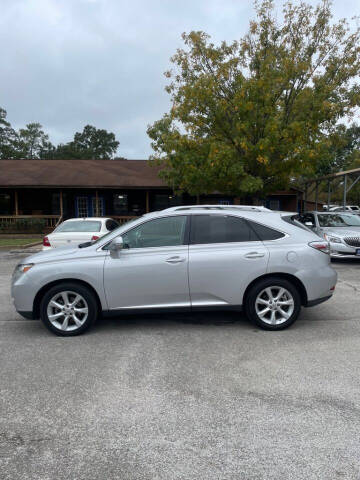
[23, 225]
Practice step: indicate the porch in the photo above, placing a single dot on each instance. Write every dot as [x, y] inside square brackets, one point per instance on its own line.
[42, 209]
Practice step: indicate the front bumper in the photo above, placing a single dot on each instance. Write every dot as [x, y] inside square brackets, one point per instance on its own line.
[339, 249]
[27, 315]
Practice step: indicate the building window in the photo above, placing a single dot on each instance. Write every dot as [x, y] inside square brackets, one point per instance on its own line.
[5, 204]
[121, 205]
[162, 201]
[100, 212]
[274, 204]
[82, 207]
[55, 203]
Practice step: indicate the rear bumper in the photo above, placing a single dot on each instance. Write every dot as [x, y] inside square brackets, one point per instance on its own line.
[312, 303]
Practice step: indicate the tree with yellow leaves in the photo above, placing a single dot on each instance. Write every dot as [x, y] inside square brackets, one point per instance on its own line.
[248, 116]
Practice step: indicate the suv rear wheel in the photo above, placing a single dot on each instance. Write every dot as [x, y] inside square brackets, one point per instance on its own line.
[273, 303]
[68, 309]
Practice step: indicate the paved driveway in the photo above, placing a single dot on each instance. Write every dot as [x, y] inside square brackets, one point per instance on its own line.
[204, 396]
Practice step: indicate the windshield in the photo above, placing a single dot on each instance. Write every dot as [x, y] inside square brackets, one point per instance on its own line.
[79, 226]
[337, 220]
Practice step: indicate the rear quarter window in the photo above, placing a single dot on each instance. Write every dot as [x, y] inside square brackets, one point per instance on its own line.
[265, 233]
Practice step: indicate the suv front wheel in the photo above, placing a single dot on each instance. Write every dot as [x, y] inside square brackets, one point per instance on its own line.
[273, 303]
[68, 309]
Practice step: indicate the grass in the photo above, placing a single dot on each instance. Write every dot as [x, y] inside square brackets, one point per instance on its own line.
[18, 242]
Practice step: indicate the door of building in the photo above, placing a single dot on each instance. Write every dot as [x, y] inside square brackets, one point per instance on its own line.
[85, 206]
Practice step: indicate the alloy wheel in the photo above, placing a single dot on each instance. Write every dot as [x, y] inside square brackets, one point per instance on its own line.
[67, 311]
[274, 305]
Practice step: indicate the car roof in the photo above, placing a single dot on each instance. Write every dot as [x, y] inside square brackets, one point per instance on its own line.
[258, 214]
[253, 208]
[85, 219]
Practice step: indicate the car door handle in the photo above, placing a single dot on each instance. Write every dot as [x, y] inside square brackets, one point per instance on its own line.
[175, 259]
[254, 255]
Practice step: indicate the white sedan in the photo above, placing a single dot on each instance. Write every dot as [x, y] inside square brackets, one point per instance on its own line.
[78, 230]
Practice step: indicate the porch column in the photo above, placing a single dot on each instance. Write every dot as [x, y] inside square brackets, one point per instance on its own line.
[16, 203]
[147, 202]
[96, 204]
[61, 204]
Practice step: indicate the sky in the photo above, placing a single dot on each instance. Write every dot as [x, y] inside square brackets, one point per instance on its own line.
[68, 63]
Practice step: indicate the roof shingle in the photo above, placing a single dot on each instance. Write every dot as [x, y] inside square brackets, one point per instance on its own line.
[79, 173]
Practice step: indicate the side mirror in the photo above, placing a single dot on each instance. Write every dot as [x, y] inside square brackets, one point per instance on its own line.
[117, 244]
[309, 224]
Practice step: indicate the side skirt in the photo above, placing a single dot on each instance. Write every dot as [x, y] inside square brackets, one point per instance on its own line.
[142, 311]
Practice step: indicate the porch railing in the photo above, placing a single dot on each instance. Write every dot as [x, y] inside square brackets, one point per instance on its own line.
[20, 223]
[32, 223]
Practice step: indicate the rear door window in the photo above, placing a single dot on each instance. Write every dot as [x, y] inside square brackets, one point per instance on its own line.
[220, 229]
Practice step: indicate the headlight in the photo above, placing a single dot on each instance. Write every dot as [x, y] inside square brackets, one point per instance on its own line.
[24, 267]
[332, 239]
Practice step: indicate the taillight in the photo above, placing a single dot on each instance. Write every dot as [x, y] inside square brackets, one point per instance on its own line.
[321, 246]
[46, 242]
[94, 237]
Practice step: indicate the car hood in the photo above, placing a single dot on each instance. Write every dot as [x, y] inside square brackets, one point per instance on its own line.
[343, 231]
[49, 255]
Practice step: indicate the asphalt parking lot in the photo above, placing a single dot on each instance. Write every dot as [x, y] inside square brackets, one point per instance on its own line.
[205, 396]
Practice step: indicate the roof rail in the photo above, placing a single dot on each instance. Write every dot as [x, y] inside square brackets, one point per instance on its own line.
[248, 208]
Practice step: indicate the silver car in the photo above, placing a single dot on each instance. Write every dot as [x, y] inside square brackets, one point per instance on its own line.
[341, 230]
[183, 258]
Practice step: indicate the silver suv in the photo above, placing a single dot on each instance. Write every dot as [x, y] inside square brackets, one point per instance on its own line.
[181, 258]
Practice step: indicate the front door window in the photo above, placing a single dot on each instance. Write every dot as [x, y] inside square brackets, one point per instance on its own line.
[161, 232]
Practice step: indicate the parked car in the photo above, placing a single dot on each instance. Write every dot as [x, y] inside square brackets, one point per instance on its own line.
[347, 208]
[341, 230]
[329, 207]
[181, 258]
[79, 230]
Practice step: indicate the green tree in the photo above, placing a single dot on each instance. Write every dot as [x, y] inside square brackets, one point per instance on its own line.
[249, 115]
[341, 150]
[33, 142]
[8, 137]
[91, 143]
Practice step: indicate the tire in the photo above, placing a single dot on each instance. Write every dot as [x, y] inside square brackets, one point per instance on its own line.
[71, 317]
[282, 309]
